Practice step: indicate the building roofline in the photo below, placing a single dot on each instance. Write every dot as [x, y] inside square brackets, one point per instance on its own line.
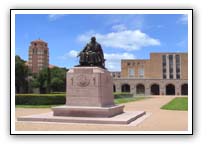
[39, 40]
[135, 59]
[154, 53]
[168, 52]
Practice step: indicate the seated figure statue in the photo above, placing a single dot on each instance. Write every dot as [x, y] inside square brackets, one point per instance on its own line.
[92, 55]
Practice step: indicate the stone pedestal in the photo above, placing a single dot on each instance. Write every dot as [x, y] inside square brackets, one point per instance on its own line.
[89, 94]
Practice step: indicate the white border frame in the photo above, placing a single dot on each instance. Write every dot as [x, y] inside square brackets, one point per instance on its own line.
[189, 12]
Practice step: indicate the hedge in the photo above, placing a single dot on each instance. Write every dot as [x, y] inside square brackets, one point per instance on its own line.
[122, 95]
[52, 99]
[40, 99]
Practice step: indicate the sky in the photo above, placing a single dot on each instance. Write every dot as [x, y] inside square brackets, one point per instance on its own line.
[122, 36]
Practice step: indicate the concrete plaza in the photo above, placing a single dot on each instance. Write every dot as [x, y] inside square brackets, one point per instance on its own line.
[158, 120]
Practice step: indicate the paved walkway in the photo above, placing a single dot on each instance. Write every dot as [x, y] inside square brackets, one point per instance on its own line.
[160, 120]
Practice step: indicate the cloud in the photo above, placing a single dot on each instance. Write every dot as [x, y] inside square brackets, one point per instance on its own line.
[70, 54]
[53, 17]
[119, 27]
[113, 60]
[183, 19]
[117, 56]
[122, 39]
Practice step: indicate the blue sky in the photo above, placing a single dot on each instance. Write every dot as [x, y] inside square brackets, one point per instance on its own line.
[122, 36]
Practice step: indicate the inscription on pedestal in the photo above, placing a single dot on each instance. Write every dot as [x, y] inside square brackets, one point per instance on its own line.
[83, 81]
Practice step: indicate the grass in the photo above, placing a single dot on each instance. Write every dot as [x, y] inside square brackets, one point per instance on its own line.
[126, 100]
[177, 104]
[35, 106]
[117, 101]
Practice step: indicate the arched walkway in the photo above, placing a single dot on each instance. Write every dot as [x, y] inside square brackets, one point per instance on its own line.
[125, 88]
[140, 89]
[170, 89]
[114, 88]
[155, 89]
[184, 89]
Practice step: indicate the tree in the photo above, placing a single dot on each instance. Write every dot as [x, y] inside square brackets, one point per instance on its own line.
[48, 80]
[42, 80]
[21, 75]
[58, 79]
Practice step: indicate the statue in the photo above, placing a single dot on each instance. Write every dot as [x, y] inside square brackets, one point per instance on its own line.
[92, 55]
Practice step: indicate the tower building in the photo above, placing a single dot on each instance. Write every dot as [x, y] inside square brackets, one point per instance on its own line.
[38, 55]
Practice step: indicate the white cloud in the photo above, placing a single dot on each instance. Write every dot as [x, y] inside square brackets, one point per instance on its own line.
[113, 60]
[118, 56]
[70, 54]
[119, 27]
[183, 19]
[124, 39]
[53, 17]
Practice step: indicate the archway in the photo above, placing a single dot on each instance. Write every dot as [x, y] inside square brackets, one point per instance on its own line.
[114, 88]
[170, 89]
[184, 89]
[155, 89]
[140, 89]
[125, 88]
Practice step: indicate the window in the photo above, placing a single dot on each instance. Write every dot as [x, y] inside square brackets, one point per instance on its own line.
[164, 76]
[177, 76]
[164, 60]
[131, 72]
[164, 66]
[128, 63]
[178, 70]
[45, 52]
[171, 65]
[170, 59]
[178, 67]
[171, 76]
[177, 59]
[34, 51]
[141, 72]
[164, 70]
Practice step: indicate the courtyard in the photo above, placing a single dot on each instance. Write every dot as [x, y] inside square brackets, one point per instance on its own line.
[157, 119]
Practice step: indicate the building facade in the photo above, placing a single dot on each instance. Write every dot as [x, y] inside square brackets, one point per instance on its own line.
[162, 74]
[38, 56]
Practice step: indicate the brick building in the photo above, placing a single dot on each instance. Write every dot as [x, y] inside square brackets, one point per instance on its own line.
[38, 55]
[162, 74]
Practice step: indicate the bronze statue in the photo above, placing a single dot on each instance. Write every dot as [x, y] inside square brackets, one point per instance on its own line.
[92, 55]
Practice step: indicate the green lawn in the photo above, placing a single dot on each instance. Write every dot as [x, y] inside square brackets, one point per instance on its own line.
[177, 104]
[35, 106]
[126, 100]
[117, 101]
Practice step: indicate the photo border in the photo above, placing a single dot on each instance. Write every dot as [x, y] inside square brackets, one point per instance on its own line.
[59, 132]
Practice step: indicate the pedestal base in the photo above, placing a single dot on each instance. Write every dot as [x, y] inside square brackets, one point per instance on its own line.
[123, 118]
[86, 111]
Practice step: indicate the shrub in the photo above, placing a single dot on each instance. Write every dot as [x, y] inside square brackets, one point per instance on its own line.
[58, 92]
[122, 95]
[40, 99]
